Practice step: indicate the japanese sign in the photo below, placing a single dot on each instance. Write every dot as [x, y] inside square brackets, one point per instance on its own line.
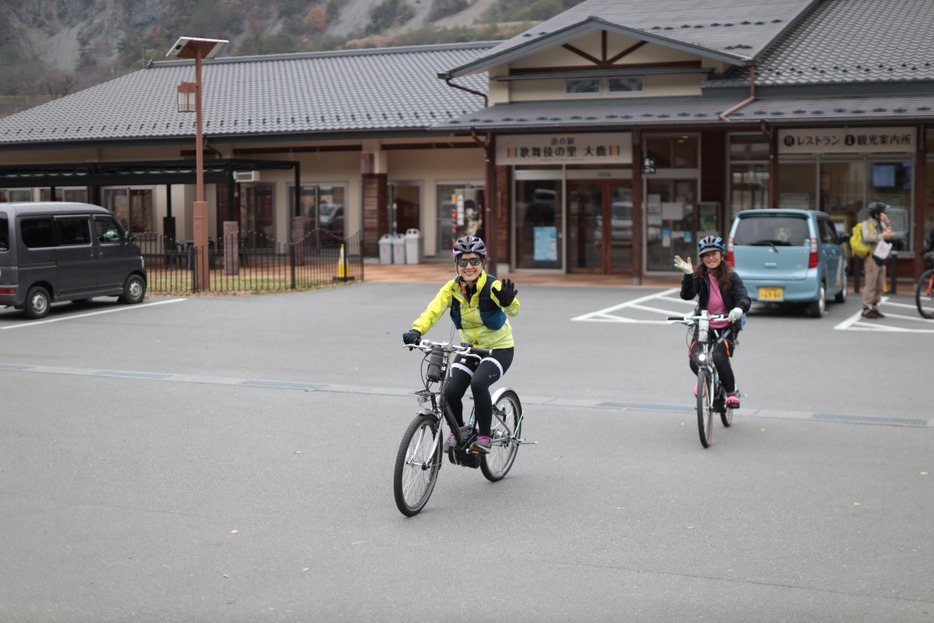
[846, 140]
[604, 148]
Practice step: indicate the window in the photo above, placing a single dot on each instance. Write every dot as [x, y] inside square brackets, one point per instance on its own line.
[15, 194]
[132, 207]
[629, 84]
[323, 208]
[107, 230]
[73, 231]
[37, 232]
[582, 86]
[4, 233]
[749, 172]
[462, 205]
[65, 194]
[672, 152]
[797, 182]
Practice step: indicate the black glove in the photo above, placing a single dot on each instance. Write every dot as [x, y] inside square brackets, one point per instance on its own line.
[411, 336]
[507, 293]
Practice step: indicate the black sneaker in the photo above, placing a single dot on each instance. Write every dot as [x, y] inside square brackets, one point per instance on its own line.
[481, 445]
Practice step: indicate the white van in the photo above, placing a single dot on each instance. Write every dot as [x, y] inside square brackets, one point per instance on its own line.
[59, 251]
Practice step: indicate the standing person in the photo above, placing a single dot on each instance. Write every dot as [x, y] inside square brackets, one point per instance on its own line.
[875, 229]
[479, 305]
[719, 290]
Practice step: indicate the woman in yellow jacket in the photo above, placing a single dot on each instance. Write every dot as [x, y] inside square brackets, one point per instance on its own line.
[479, 305]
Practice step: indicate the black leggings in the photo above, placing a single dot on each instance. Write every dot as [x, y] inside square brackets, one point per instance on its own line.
[721, 359]
[478, 375]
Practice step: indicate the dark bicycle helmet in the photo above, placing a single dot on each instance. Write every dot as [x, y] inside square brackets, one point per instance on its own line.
[876, 207]
[710, 243]
[469, 244]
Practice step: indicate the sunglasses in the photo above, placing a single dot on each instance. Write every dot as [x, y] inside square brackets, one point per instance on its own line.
[474, 261]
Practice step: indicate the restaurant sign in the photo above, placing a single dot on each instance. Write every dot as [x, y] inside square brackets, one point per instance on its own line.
[604, 148]
[846, 140]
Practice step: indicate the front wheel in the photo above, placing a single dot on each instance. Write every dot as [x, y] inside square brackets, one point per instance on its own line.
[417, 465]
[505, 433]
[134, 290]
[924, 294]
[704, 407]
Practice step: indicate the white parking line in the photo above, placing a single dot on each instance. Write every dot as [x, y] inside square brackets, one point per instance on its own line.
[856, 322]
[608, 315]
[113, 310]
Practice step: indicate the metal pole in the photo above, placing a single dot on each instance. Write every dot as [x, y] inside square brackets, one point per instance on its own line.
[200, 208]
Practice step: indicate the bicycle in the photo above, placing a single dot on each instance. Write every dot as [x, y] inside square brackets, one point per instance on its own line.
[711, 397]
[924, 289]
[419, 458]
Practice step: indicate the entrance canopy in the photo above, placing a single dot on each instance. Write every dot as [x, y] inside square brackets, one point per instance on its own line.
[98, 174]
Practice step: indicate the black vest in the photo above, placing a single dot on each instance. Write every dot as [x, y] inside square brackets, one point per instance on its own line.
[492, 314]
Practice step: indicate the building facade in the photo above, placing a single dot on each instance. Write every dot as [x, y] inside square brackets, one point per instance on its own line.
[607, 139]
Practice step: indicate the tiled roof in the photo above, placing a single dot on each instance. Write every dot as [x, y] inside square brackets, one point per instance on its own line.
[851, 41]
[734, 30]
[633, 113]
[392, 89]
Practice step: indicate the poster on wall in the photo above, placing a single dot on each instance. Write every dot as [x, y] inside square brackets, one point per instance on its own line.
[546, 244]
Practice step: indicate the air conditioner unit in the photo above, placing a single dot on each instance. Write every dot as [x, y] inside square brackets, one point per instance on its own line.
[246, 176]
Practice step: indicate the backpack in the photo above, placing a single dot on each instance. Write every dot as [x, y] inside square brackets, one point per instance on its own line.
[860, 248]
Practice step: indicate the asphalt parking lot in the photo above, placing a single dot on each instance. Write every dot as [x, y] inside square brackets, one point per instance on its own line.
[229, 458]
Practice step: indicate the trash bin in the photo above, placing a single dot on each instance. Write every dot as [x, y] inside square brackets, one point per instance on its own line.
[385, 249]
[413, 246]
[398, 249]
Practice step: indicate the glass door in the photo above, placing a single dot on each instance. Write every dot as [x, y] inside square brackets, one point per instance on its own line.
[538, 224]
[600, 231]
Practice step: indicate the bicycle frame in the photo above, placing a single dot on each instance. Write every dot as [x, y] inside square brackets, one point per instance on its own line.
[707, 373]
[416, 471]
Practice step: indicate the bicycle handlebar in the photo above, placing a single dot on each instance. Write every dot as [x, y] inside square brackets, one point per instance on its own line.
[691, 319]
[427, 346]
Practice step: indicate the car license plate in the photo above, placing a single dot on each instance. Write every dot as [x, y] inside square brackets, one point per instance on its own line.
[770, 294]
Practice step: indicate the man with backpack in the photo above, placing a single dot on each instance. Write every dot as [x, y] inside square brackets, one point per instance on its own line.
[874, 229]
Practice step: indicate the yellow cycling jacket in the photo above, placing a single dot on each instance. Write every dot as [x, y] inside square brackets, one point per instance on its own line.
[473, 331]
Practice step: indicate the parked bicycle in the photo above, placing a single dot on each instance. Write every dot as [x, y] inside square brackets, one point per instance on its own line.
[421, 452]
[924, 289]
[711, 397]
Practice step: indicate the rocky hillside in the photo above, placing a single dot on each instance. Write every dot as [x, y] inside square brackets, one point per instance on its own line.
[53, 47]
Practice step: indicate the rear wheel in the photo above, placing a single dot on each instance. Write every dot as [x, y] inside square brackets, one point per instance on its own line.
[38, 303]
[417, 466]
[841, 295]
[924, 294]
[504, 437]
[817, 308]
[704, 407]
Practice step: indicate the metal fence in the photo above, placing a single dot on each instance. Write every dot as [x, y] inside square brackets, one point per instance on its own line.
[252, 263]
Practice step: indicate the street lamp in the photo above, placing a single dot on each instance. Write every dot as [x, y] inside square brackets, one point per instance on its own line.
[198, 49]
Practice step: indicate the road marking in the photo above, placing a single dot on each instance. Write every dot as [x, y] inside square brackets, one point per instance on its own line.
[683, 409]
[664, 303]
[608, 315]
[110, 310]
[856, 322]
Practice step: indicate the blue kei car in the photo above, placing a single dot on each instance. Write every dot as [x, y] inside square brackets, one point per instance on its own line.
[787, 256]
